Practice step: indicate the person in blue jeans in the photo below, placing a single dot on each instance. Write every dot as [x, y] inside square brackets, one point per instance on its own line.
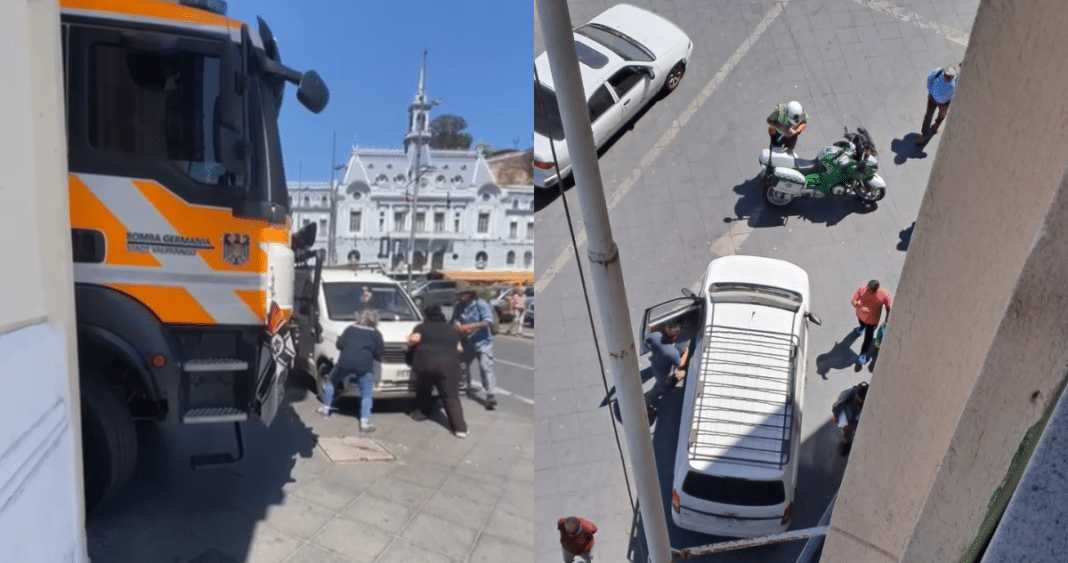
[474, 318]
[360, 345]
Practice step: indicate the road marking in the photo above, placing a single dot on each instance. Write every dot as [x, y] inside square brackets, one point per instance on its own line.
[949, 32]
[510, 394]
[580, 237]
[507, 363]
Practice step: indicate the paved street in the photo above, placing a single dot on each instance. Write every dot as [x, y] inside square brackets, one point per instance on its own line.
[441, 500]
[680, 185]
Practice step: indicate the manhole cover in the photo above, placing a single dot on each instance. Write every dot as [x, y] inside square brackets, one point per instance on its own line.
[354, 448]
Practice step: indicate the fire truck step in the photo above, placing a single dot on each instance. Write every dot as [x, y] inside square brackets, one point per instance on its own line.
[214, 414]
[217, 459]
[215, 364]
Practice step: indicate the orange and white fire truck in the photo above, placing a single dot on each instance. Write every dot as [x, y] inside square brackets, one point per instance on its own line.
[180, 222]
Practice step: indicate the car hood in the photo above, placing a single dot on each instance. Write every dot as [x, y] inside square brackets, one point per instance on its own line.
[657, 34]
[392, 331]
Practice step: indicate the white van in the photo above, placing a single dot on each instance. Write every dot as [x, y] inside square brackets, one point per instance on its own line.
[737, 457]
[339, 297]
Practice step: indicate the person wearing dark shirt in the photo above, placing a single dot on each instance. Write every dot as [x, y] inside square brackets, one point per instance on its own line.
[436, 363]
[360, 345]
[666, 362]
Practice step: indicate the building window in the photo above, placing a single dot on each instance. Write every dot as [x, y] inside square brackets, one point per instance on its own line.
[530, 230]
[322, 227]
[354, 257]
[382, 222]
[483, 223]
[511, 258]
[485, 197]
[528, 259]
[420, 221]
[513, 230]
[307, 201]
[515, 203]
[355, 220]
[305, 223]
[323, 201]
[480, 260]
[398, 220]
[439, 222]
[456, 223]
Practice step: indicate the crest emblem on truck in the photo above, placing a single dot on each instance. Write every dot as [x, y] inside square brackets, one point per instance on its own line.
[235, 248]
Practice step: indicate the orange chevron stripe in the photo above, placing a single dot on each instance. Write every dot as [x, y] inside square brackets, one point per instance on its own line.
[88, 212]
[171, 304]
[152, 9]
[256, 301]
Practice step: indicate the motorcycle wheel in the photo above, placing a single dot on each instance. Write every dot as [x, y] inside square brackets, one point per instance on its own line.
[774, 197]
[867, 193]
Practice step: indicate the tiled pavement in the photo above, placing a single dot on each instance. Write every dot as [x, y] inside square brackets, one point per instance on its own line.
[442, 500]
[850, 62]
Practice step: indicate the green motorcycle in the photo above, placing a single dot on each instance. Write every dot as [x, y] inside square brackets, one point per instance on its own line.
[844, 167]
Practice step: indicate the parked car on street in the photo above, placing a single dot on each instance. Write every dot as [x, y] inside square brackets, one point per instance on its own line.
[740, 431]
[434, 292]
[627, 56]
[502, 310]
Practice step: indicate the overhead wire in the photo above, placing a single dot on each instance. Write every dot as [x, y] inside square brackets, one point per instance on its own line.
[589, 308]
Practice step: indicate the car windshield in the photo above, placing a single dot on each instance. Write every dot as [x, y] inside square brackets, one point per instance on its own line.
[627, 48]
[755, 288]
[547, 118]
[344, 299]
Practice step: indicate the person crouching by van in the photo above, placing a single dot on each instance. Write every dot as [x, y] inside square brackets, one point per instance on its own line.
[436, 363]
[360, 345]
[846, 412]
[576, 538]
[666, 362]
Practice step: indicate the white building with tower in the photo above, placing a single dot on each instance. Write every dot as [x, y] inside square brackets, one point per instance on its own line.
[470, 212]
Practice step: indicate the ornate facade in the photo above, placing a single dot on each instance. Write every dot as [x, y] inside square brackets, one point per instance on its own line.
[470, 212]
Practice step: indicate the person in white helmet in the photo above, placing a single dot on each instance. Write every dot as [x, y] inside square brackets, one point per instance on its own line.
[788, 119]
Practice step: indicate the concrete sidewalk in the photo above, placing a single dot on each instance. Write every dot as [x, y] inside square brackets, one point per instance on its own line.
[441, 500]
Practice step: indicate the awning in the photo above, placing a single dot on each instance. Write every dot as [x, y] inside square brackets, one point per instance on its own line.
[491, 277]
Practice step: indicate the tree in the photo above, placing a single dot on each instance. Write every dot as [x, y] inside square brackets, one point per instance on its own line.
[447, 133]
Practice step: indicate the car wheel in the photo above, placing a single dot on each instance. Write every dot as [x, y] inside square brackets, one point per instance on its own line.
[674, 77]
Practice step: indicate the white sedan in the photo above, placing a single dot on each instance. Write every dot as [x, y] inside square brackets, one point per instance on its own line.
[626, 57]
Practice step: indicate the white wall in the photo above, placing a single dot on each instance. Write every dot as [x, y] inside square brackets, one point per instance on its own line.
[41, 513]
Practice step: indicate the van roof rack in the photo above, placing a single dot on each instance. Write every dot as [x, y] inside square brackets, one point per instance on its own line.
[743, 410]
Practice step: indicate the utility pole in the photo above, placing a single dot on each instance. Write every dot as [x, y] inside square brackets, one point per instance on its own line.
[605, 271]
[419, 133]
[331, 244]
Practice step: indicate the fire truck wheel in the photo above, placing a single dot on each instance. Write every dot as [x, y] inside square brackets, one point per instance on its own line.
[109, 440]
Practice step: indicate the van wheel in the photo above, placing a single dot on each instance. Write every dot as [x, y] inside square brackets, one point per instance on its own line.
[322, 370]
[109, 440]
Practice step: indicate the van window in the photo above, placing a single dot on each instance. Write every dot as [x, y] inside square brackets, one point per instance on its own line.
[730, 490]
[343, 300]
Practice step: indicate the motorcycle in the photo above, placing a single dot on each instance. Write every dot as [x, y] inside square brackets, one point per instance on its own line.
[844, 167]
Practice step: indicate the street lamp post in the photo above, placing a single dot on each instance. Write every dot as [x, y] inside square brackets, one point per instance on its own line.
[331, 243]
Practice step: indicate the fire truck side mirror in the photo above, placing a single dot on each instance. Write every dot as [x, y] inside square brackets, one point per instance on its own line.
[312, 92]
[305, 237]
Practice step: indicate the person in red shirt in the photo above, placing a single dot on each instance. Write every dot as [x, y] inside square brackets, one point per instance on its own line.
[868, 303]
[576, 539]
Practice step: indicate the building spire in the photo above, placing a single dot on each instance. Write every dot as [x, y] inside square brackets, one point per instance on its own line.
[417, 140]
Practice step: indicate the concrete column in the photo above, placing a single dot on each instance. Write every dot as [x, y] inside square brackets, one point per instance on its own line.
[976, 341]
[41, 508]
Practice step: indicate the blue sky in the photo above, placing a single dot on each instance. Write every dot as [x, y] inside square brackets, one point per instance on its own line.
[369, 53]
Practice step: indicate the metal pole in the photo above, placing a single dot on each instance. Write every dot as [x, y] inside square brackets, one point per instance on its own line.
[411, 239]
[331, 244]
[605, 271]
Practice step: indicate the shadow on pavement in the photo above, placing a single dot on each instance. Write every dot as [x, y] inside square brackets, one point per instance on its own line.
[830, 211]
[820, 473]
[169, 512]
[906, 237]
[841, 356]
[906, 148]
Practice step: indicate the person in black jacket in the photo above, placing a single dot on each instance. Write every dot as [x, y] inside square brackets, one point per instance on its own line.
[360, 345]
[436, 363]
[846, 412]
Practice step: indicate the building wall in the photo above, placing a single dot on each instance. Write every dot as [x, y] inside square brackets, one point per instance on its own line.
[41, 512]
[976, 341]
